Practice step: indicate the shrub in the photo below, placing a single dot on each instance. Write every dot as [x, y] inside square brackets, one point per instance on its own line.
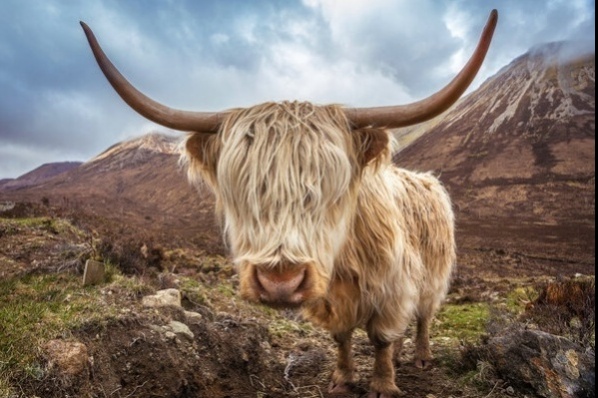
[132, 256]
[566, 308]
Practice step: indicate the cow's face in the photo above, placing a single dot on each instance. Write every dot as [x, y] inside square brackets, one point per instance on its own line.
[286, 178]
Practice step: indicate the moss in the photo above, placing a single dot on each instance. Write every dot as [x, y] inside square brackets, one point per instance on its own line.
[194, 291]
[465, 322]
[226, 290]
[520, 297]
[282, 327]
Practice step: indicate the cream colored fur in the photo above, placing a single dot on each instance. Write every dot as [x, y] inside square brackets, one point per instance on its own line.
[291, 189]
[400, 254]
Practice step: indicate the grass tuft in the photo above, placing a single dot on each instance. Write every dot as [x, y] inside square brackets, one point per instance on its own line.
[38, 308]
[465, 322]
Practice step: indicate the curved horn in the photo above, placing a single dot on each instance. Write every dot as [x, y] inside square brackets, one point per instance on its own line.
[147, 107]
[416, 112]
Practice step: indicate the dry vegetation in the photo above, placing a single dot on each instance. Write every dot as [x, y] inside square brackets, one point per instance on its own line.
[237, 350]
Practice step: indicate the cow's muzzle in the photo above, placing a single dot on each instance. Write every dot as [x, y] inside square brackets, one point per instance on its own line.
[282, 286]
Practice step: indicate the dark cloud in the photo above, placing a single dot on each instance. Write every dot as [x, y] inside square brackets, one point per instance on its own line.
[55, 105]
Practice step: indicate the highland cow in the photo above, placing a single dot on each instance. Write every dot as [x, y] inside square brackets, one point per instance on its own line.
[317, 216]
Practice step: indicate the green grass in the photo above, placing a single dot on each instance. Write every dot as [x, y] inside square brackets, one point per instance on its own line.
[465, 322]
[518, 298]
[281, 327]
[36, 230]
[38, 308]
[194, 291]
[42, 223]
[462, 324]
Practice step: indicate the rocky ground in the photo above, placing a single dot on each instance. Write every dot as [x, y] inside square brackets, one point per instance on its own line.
[165, 321]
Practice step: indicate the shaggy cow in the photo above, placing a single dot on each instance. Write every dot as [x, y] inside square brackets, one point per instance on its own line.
[317, 216]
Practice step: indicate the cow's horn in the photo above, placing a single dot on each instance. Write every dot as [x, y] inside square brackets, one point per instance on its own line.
[416, 112]
[147, 107]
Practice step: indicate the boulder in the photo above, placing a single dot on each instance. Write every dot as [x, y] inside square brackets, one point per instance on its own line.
[552, 366]
[180, 329]
[163, 298]
[193, 317]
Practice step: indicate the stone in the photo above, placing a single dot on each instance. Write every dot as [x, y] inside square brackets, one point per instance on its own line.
[156, 328]
[552, 366]
[94, 273]
[193, 317]
[181, 329]
[163, 298]
[69, 357]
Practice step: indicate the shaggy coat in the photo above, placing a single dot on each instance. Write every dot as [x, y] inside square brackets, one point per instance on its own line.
[295, 185]
[317, 216]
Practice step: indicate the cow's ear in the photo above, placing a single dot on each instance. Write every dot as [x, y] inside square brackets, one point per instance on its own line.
[198, 147]
[372, 144]
[202, 151]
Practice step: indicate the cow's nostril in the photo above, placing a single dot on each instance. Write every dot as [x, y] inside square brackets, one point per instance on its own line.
[283, 286]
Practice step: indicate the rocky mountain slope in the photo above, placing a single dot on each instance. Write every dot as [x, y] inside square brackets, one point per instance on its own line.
[518, 156]
[38, 175]
[139, 184]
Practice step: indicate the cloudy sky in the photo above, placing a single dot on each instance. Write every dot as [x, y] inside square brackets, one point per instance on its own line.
[55, 105]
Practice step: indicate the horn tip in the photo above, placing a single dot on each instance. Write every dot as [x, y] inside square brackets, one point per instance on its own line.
[494, 14]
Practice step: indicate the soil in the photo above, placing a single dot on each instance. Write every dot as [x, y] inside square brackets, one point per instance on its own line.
[238, 350]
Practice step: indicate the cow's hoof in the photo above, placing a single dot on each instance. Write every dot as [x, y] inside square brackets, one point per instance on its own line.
[339, 388]
[384, 390]
[376, 394]
[423, 363]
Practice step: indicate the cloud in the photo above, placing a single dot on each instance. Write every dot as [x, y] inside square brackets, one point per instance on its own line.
[55, 104]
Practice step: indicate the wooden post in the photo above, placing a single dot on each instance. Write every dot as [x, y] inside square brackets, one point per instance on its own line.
[94, 273]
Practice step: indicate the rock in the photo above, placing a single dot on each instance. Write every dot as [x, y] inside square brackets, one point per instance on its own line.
[553, 366]
[163, 298]
[173, 329]
[181, 329]
[69, 357]
[193, 317]
[156, 328]
[94, 272]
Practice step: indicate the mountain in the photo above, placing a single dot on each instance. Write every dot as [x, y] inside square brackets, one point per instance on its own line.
[518, 156]
[138, 185]
[38, 175]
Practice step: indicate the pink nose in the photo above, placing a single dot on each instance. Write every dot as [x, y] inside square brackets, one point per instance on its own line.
[282, 286]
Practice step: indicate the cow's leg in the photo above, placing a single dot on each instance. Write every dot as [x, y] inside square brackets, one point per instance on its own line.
[426, 309]
[342, 376]
[398, 349]
[383, 379]
[423, 354]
